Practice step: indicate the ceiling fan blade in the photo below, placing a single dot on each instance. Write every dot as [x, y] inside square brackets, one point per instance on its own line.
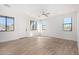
[48, 13]
[45, 13]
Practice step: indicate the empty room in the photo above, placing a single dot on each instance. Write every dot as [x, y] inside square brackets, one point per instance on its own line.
[39, 29]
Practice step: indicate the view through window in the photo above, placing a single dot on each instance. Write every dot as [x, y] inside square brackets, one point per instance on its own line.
[38, 25]
[68, 24]
[6, 23]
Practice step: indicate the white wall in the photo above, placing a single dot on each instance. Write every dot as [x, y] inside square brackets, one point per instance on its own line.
[55, 27]
[78, 29]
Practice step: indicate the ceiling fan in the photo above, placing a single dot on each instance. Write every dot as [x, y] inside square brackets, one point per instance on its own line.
[44, 12]
[7, 5]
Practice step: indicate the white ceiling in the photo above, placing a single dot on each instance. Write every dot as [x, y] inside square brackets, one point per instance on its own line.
[33, 10]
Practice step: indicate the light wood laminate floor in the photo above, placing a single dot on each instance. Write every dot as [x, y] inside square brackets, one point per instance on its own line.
[39, 46]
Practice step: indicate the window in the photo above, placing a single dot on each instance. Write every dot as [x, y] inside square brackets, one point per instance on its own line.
[33, 25]
[68, 24]
[38, 25]
[6, 23]
[10, 24]
[44, 25]
[2, 24]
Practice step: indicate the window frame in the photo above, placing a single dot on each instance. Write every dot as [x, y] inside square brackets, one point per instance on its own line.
[67, 24]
